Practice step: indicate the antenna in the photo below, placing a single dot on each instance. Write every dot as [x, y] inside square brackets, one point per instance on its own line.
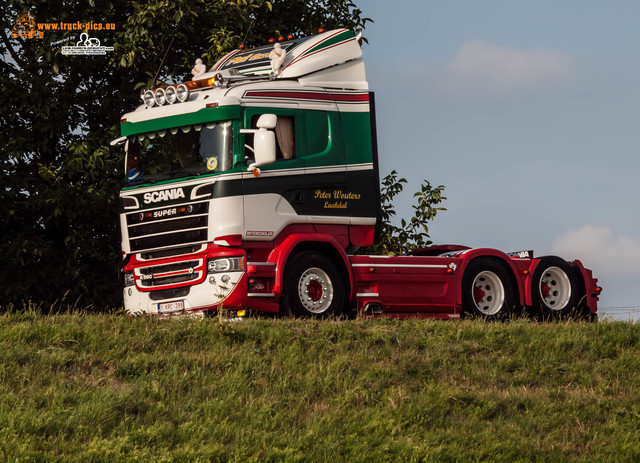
[162, 62]
[244, 41]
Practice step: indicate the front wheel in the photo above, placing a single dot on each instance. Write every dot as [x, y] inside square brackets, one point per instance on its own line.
[313, 287]
[486, 290]
[554, 287]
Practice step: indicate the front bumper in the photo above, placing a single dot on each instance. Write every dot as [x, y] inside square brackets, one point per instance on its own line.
[211, 294]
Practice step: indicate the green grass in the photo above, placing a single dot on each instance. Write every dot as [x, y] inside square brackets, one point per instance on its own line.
[87, 388]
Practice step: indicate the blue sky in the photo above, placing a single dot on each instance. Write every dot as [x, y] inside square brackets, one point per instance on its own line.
[528, 113]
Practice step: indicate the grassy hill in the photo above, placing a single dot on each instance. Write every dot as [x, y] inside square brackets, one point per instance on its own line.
[85, 387]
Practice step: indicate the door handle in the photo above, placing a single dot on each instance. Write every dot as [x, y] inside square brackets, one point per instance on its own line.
[299, 197]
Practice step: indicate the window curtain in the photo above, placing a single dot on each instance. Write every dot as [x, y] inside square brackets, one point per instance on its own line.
[284, 134]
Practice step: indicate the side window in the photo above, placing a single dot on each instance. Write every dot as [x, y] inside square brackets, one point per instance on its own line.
[316, 131]
[285, 137]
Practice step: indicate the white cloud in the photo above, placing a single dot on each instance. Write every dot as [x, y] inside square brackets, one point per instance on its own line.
[489, 68]
[601, 250]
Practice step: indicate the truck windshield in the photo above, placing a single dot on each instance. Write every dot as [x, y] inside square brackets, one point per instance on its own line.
[180, 152]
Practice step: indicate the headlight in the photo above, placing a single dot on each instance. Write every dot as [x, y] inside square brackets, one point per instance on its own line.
[226, 264]
[182, 92]
[128, 279]
[148, 98]
[171, 95]
[160, 96]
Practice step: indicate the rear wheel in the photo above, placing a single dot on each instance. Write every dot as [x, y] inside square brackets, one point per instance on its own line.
[486, 290]
[555, 288]
[313, 287]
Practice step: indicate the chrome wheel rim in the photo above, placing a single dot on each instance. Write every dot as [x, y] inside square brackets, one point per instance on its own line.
[315, 290]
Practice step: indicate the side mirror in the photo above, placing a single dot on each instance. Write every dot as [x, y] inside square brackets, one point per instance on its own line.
[126, 155]
[264, 141]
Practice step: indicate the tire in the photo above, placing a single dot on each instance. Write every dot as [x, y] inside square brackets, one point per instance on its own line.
[554, 289]
[487, 291]
[313, 287]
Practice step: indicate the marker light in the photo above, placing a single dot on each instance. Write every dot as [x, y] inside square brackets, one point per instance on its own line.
[200, 83]
[182, 92]
[171, 94]
[160, 96]
[148, 98]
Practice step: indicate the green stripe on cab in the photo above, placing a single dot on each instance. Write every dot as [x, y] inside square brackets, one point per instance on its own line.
[221, 113]
[329, 42]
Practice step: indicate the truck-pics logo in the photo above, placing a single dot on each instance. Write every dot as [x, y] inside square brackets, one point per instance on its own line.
[86, 46]
[25, 27]
[165, 195]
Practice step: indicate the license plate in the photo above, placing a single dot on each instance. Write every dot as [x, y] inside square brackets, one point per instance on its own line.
[169, 307]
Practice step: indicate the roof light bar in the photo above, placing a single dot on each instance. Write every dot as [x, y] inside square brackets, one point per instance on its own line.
[174, 93]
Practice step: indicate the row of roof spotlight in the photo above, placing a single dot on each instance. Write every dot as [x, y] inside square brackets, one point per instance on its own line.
[166, 95]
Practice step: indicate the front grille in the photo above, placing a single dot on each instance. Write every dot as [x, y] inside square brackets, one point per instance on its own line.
[169, 239]
[180, 225]
[164, 281]
[169, 268]
[161, 227]
[170, 274]
[160, 254]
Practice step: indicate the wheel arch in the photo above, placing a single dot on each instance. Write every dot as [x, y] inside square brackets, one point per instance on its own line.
[589, 285]
[502, 259]
[323, 244]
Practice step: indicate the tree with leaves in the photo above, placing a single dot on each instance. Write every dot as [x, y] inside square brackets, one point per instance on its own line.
[59, 234]
[414, 233]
